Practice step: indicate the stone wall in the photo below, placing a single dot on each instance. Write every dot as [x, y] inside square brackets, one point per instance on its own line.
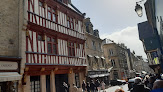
[9, 27]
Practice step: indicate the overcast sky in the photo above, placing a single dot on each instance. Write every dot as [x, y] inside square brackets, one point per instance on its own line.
[115, 19]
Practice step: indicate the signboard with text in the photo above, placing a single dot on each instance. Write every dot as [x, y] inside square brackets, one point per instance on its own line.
[8, 65]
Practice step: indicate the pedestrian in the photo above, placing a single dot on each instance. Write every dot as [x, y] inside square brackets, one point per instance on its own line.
[97, 85]
[74, 88]
[139, 87]
[103, 86]
[92, 86]
[151, 82]
[65, 87]
[158, 86]
[88, 87]
[84, 86]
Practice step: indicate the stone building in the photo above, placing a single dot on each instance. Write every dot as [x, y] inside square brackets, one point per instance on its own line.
[41, 45]
[10, 49]
[97, 67]
[116, 57]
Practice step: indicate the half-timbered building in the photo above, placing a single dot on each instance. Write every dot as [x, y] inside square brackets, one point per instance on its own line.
[54, 45]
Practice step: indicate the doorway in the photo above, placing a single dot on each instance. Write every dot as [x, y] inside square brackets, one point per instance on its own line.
[59, 79]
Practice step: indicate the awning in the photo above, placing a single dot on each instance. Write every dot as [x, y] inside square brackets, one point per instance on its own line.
[102, 57]
[90, 56]
[9, 76]
[93, 76]
[109, 70]
[100, 75]
[97, 57]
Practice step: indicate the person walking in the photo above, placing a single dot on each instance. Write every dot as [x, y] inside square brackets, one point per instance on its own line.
[92, 86]
[97, 85]
[84, 86]
[139, 87]
[74, 88]
[103, 86]
[88, 87]
[65, 87]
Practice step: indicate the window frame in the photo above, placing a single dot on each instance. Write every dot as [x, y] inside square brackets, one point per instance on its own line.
[70, 23]
[77, 80]
[35, 84]
[71, 48]
[52, 43]
[52, 12]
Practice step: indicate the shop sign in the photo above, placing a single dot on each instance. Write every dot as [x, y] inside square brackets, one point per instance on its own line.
[5, 65]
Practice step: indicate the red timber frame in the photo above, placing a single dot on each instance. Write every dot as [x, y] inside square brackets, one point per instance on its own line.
[33, 68]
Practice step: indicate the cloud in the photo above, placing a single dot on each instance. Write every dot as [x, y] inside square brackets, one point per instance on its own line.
[129, 36]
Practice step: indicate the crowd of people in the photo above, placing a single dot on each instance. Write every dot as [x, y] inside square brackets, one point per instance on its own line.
[94, 86]
[150, 83]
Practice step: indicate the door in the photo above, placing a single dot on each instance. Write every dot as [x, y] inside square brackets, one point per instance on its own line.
[47, 83]
[3, 86]
[59, 79]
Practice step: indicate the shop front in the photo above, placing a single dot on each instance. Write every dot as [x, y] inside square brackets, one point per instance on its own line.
[9, 74]
[101, 75]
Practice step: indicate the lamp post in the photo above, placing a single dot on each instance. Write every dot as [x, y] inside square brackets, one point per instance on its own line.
[139, 9]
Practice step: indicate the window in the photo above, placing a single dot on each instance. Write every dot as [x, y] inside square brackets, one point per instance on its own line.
[52, 14]
[70, 23]
[52, 45]
[113, 62]
[111, 52]
[77, 81]
[40, 4]
[71, 49]
[99, 45]
[115, 73]
[39, 37]
[35, 83]
[78, 45]
[93, 45]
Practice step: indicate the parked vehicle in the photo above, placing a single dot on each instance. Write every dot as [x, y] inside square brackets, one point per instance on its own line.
[131, 83]
[117, 82]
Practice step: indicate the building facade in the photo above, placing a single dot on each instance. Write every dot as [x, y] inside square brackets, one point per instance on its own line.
[97, 67]
[116, 57]
[10, 51]
[48, 39]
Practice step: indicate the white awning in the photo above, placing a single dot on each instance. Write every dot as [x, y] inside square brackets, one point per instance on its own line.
[100, 75]
[97, 57]
[9, 76]
[102, 57]
[93, 76]
[90, 56]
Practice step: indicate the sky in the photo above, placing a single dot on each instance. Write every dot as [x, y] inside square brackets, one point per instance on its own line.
[115, 20]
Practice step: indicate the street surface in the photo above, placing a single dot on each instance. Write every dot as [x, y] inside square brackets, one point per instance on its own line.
[113, 88]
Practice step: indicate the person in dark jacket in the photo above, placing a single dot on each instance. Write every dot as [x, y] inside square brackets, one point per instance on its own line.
[88, 87]
[92, 86]
[84, 86]
[158, 86]
[151, 81]
[139, 87]
[97, 85]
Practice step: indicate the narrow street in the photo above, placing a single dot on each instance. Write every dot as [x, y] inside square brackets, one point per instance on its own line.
[113, 88]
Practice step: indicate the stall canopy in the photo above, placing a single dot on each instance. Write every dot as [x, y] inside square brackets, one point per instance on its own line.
[99, 75]
[9, 76]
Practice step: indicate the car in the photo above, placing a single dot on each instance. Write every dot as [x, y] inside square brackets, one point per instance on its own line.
[131, 83]
[116, 82]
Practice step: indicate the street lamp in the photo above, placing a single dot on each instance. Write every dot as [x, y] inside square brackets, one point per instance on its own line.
[138, 10]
